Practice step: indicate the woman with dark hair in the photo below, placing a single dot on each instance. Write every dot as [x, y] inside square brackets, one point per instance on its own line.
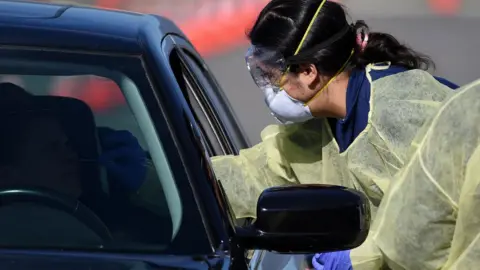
[350, 103]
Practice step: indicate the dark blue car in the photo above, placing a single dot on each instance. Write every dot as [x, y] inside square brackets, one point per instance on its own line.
[130, 186]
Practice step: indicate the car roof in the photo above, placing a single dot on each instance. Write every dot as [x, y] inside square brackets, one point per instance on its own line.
[75, 27]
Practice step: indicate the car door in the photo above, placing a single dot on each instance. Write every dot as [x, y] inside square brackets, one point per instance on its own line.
[66, 129]
[259, 259]
[222, 135]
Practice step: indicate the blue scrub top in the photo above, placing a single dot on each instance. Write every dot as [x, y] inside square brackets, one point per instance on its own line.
[358, 104]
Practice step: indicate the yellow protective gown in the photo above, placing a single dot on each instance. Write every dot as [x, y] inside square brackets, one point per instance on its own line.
[430, 216]
[307, 152]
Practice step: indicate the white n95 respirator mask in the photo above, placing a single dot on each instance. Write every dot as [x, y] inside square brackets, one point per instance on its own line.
[284, 108]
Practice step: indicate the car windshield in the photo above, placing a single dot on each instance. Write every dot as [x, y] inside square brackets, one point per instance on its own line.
[80, 156]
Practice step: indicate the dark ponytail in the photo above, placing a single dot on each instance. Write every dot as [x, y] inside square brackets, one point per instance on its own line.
[383, 47]
[329, 43]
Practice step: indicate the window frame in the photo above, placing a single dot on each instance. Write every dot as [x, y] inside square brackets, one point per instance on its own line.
[203, 96]
[190, 89]
[212, 98]
[202, 109]
[216, 136]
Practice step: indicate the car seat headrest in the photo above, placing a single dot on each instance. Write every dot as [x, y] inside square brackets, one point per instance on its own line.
[12, 96]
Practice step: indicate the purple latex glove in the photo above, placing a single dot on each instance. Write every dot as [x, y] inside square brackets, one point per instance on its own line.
[339, 260]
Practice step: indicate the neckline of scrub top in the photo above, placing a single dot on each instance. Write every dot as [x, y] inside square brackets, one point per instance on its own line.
[355, 83]
[358, 105]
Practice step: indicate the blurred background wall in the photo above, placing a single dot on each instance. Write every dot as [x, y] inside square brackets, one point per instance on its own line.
[447, 30]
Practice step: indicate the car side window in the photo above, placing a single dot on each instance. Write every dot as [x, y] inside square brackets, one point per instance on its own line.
[193, 83]
[193, 91]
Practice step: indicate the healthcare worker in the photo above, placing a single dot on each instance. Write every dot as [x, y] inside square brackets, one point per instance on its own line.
[429, 218]
[350, 103]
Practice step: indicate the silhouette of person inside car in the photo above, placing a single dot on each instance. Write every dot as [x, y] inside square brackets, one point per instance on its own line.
[35, 146]
[35, 152]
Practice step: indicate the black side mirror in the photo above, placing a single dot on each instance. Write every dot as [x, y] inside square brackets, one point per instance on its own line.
[308, 219]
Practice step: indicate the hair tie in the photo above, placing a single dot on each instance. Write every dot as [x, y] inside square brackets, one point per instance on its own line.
[362, 37]
[362, 42]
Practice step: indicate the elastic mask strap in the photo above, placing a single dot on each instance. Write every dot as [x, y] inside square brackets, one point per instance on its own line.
[310, 26]
[333, 78]
[305, 35]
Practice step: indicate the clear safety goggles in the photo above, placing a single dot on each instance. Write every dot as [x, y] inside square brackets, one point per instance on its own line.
[267, 67]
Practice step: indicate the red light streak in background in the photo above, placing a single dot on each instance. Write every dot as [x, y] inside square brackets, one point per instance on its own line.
[445, 7]
[210, 35]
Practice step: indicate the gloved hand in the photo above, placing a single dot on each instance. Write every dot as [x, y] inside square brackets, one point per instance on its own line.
[123, 157]
[339, 260]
